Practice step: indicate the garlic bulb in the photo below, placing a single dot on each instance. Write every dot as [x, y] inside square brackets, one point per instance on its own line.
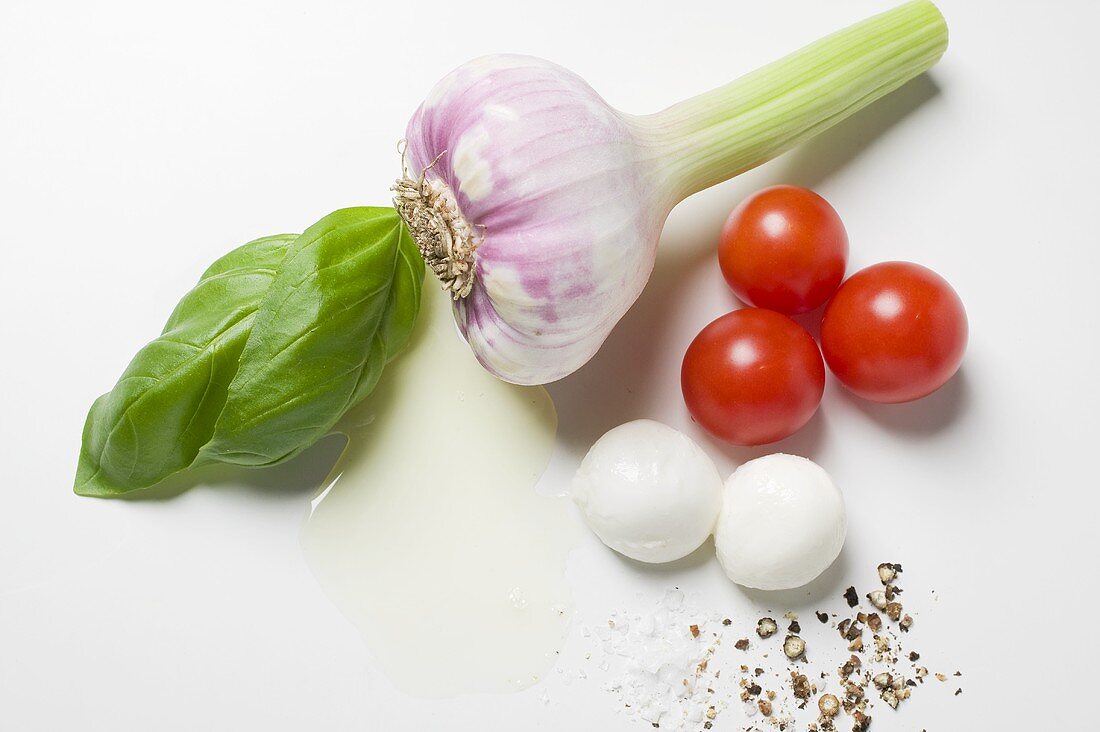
[539, 206]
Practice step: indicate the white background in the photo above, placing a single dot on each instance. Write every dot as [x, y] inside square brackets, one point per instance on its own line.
[139, 141]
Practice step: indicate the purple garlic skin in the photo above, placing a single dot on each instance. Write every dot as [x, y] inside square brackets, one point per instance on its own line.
[561, 197]
[539, 207]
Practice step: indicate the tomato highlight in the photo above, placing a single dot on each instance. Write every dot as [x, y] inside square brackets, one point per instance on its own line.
[752, 377]
[894, 332]
[784, 248]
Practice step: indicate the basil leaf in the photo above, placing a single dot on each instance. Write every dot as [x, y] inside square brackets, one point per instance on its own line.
[343, 304]
[164, 407]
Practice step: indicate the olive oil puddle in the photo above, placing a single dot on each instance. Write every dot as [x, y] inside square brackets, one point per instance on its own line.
[430, 536]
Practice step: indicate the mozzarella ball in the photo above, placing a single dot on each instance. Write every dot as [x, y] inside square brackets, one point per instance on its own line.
[648, 491]
[782, 523]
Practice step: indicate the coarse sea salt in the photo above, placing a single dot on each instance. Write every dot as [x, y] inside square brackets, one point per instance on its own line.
[665, 666]
[659, 662]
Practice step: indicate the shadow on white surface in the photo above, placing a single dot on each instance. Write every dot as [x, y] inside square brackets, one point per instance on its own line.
[617, 384]
[702, 555]
[932, 414]
[301, 476]
[828, 587]
[813, 162]
[807, 443]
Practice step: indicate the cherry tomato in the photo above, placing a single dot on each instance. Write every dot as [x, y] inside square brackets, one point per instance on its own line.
[894, 332]
[752, 376]
[784, 248]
